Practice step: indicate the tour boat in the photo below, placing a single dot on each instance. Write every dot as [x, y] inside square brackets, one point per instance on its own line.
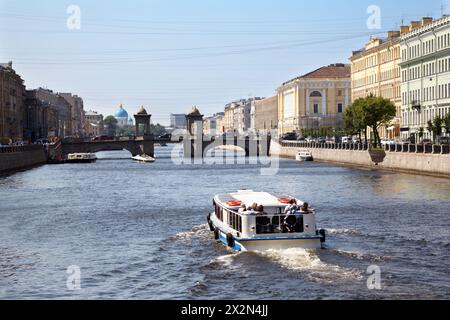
[303, 155]
[81, 158]
[143, 158]
[246, 230]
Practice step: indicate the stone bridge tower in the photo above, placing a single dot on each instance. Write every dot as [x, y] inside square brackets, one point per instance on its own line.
[143, 118]
[194, 117]
[147, 146]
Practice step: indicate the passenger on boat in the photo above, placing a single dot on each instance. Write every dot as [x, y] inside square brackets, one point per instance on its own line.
[243, 209]
[292, 208]
[306, 209]
[253, 207]
[260, 211]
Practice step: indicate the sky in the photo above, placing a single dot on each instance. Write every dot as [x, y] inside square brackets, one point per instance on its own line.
[169, 55]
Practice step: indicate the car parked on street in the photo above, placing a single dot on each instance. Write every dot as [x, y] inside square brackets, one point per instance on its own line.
[426, 141]
[290, 136]
[346, 140]
[387, 142]
[444, 140]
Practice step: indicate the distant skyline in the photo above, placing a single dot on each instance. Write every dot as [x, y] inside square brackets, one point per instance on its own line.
[171, 54]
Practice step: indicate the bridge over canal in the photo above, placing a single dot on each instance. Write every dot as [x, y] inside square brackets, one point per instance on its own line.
[193, 141]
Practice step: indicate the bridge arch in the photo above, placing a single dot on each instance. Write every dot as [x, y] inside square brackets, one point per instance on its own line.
[135, 147]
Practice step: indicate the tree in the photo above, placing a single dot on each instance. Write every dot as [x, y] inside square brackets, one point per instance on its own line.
[421, 133]
[447, 123]
[435, 127]
[111, 123]
[353, 119]
[377, 112]
[158, 130]
[437, 123]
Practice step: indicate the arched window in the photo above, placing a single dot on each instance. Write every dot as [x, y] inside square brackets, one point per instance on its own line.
[315, 94]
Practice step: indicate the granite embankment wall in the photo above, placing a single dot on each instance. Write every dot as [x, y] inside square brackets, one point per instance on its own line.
[413, 162]
[18, 158]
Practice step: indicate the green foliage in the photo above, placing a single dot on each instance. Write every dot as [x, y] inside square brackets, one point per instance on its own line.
[129, 130]
[111, 123]
[435, 127]
[372, 112]
[421, 132]
[447, 123]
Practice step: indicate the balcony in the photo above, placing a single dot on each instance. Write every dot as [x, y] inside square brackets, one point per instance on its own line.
[415, 105]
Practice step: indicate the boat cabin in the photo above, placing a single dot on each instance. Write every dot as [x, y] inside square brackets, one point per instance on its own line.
[273, 221]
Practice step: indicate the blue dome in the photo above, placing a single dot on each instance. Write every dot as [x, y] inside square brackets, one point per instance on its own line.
[121, 113]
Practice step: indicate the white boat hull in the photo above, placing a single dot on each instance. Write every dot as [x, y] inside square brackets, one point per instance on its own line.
[304, 159]
[143, 159]
[280, 241]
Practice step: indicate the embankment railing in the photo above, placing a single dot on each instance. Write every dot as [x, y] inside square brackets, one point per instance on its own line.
[394, 148]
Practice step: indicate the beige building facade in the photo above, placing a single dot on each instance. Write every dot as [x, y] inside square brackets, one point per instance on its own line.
[12, 98]
[425, 71]
[265, 115]
[94, 125]
[375, 70]
[78, 121]
[315, 100]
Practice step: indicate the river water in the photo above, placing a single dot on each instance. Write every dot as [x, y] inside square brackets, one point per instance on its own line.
[138, 231]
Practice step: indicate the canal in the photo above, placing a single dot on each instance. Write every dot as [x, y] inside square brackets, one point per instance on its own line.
[138, 231]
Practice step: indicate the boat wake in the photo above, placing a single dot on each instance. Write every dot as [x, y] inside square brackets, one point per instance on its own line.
[343, 232]
[302, 260]
[224, 262]
[200, 232]
[360, 255]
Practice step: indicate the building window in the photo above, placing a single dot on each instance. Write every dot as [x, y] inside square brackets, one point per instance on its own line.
[340, 108]
[316, 108]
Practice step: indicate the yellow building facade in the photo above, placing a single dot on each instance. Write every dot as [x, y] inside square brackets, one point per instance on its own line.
[315, 100]
[375, 70]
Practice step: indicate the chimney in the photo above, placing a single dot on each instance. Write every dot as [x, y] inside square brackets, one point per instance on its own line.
[404, 29]
[426, 20]
[393, 34]
[414, 25]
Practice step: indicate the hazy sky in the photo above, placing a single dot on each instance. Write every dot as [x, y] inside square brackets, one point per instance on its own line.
[171, 54]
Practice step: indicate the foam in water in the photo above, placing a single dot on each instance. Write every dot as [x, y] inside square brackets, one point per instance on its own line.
[225, 261]
[298, 259]
[198, 232]
[361, 255]
[342, 231]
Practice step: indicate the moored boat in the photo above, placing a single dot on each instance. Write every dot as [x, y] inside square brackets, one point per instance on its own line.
[244, 229]
[304, 155]
[143, 158]
[81, 158]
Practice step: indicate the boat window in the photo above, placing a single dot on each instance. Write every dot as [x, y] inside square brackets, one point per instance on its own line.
[219, 213]
[280, 224]
[235, 221]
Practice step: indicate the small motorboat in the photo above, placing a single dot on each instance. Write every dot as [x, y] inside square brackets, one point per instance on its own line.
[81, 158]
[246, 230]
[143, 158]
[304, 155]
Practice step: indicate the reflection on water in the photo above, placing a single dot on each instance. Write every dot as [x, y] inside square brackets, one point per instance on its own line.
[138, 231]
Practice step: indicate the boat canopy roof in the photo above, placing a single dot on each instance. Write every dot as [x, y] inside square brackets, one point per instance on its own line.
[249, 197]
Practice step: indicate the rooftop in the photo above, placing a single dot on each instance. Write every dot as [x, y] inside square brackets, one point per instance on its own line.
[333, 71]
[142, 111]
[194, 112]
